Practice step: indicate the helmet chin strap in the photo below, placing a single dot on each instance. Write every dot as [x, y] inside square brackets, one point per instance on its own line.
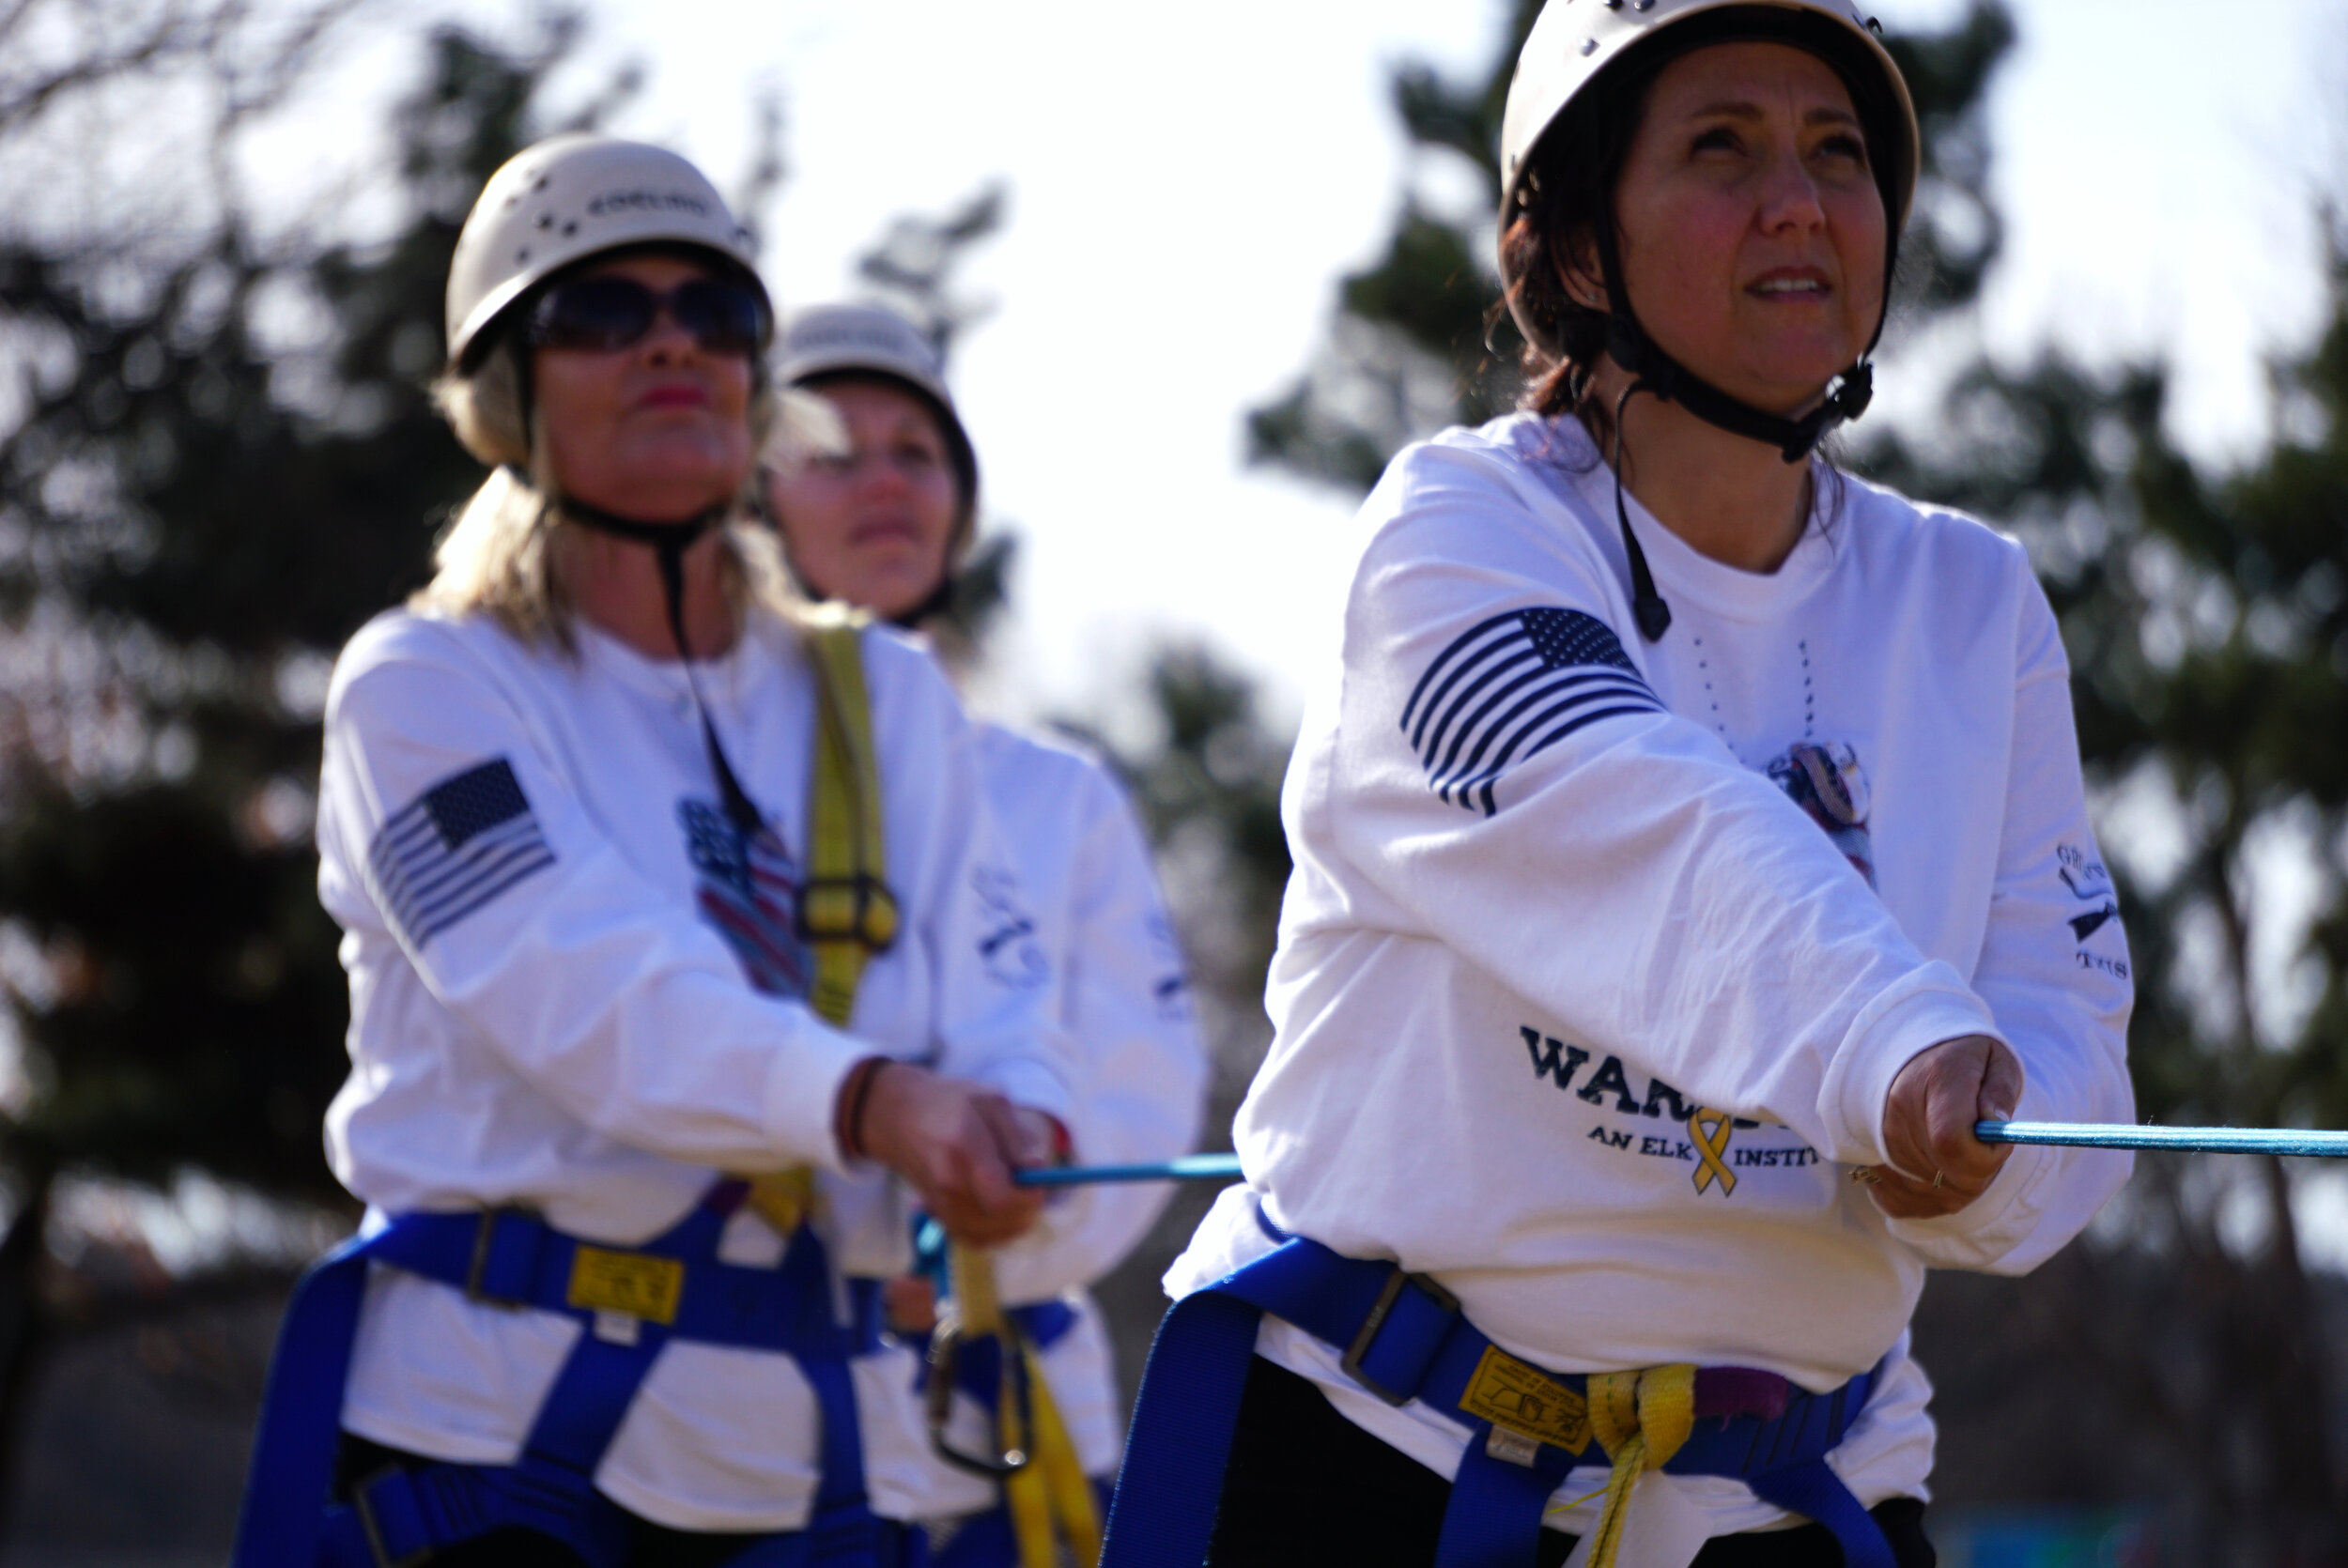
[668, 541]
[1656, 373]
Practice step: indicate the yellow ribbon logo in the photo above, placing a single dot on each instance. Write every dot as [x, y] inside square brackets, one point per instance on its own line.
[1711, 1131]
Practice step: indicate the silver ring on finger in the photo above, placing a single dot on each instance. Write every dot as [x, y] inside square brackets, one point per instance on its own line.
[1937, 1179]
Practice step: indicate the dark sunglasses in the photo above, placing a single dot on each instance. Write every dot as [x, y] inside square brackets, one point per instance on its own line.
[606, 312]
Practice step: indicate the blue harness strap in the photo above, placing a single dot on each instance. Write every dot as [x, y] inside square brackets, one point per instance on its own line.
[511, 1258]
[1403, 1339]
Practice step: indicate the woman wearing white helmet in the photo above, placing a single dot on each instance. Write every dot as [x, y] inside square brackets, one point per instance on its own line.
[884, 522]
[575, 823]
[1615, 1110]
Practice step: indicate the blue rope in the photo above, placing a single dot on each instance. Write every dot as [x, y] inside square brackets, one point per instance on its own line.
[1191, 1167]
[2206, 1140]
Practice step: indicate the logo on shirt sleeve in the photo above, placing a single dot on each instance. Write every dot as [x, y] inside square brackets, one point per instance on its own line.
[2089, 883]
[1508, 689]
[1170, 991]
[460, 844]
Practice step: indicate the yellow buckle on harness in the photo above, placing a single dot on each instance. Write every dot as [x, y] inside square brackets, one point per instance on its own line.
[631, 1283]
[1517, 1395]
[856, 908]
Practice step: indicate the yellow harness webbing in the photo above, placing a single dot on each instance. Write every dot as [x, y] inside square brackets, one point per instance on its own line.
[1045, 1488]
[847, 912]
[1641, 1418]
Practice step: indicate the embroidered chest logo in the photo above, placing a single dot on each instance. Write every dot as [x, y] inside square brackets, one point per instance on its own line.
[749, 889]
[1827, 782]
[1511, 687]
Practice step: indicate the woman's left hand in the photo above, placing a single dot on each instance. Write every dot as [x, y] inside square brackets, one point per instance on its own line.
[1928, 1127]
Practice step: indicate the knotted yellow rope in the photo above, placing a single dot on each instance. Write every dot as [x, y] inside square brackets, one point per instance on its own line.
[1641, 1418]
[1047, 1496]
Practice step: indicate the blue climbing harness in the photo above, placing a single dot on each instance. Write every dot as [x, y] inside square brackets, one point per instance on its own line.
[1404, 1338]
[672, 1287]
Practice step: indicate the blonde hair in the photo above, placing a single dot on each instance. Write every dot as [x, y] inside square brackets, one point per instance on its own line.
[503, 556]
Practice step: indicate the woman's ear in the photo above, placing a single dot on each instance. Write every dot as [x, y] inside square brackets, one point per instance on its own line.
[1579, 275]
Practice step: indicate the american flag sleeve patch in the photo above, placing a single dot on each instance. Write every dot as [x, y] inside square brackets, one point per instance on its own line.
[1512, 687]
[459, 845]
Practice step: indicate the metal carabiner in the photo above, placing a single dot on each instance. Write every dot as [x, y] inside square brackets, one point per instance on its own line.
[945, 1349]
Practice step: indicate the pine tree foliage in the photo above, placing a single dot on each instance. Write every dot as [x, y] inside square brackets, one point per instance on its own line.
[1209, 786]
[912, 268]
[196, 515]
[217, 459]
[1416, 343]
[1956, 233]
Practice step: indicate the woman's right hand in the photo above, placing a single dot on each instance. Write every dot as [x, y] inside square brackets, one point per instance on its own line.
[956, 1146]
[1928, 1127]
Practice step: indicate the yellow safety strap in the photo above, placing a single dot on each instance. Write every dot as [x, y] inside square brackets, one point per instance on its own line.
[1047, 1496]
[1641, 1418]
[847, 912]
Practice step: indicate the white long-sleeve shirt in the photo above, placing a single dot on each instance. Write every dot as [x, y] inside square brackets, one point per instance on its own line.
[1555, 893]
[1125, 1002]
[576, 988]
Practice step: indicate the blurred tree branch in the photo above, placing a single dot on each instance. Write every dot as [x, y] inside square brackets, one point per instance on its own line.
[218, 457]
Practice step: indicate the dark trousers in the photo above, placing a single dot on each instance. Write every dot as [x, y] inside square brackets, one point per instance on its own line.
[650, 1545]
[1306, 1486]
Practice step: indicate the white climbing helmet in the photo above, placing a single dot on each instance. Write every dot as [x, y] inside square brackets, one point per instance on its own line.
[1573, 42]
[867, 340]
[566, 199]
[824, 340]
